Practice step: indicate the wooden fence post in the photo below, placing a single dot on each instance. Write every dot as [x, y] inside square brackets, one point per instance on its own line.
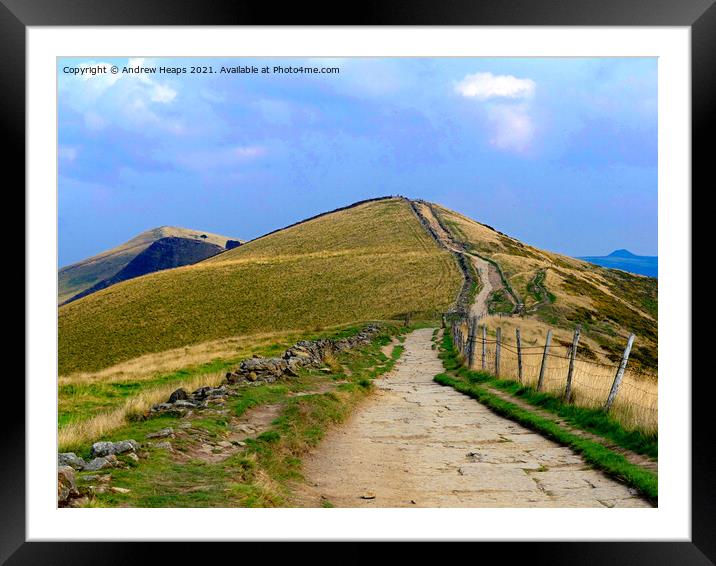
[471, 340]
[519, 355]
[620, 373]
[572, 355]
[497, 351]
[484, 347]
[540, 382]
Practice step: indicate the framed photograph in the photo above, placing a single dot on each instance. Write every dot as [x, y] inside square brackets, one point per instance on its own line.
[429, 269]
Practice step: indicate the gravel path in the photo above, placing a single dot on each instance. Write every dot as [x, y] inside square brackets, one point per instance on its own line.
[479, 305]
[418, 444]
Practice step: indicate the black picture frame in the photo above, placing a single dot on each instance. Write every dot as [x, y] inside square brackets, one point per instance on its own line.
[699, 15]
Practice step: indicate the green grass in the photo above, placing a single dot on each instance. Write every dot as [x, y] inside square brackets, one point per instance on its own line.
[593, 452]
[84, 400]
[262, 474]
[499, 303]
[536, 288]
[81, 401]
[370, 262]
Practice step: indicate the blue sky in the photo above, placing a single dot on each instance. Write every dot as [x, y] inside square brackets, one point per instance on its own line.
[559, 153]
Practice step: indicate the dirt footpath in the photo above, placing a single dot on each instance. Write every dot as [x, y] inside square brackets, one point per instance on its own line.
[418, 444]
[479, 305]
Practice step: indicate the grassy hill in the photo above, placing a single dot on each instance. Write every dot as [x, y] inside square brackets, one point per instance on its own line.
[165, 253]
[80, 276]
[562, 291]
[372, 261]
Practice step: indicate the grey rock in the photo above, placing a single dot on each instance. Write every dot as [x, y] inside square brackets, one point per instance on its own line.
[100, 449]
[105, 448]
[70, 459]
[201, 393]
[98, 464]
[183, 403]
[163, 433]
[125, 446]
[164, 446]
[178, 395]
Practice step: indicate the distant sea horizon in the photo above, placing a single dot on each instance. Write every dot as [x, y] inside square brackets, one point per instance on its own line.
[627, 261]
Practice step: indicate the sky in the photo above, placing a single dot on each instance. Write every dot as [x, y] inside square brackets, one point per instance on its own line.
[560, 153]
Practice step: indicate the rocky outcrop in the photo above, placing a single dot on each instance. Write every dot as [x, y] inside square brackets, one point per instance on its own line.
[307, 353]
[102, 449]
[66, 485]
[304, 354]
[70, 459]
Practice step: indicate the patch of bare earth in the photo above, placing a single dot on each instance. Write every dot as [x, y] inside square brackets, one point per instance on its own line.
[387, 350]
[490, 281]
[200, 444]
[416, 443]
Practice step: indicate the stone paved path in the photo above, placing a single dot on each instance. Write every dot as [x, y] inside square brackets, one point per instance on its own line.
[419, 444]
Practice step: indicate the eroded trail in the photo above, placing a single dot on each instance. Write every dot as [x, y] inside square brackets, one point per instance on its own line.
[479, 305]
[416, 443]
[487, 273]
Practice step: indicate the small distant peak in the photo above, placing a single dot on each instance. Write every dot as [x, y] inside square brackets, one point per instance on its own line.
[621, 253]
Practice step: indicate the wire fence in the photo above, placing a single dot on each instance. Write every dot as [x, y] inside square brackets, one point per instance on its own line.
[629, 395]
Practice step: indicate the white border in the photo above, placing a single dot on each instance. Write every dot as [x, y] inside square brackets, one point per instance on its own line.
[671, 521]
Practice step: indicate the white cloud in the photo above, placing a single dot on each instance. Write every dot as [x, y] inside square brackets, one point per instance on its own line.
[513, 128]
[131, 101]
[484, 86]
[162, 93]
[67, 153]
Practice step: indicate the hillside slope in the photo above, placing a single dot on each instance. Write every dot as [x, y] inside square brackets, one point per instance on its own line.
[562, 291]
[78, 277]
[372, 261]
[165, 253]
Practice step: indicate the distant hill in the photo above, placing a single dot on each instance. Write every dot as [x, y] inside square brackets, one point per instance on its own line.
[81, 276]
[627, 261]
[165, 253]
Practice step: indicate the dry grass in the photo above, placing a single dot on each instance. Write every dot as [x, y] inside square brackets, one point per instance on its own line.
[636, 404]
[148, 366]
[82, 275]
[75, 435]
[608, 303]
[371, 262]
